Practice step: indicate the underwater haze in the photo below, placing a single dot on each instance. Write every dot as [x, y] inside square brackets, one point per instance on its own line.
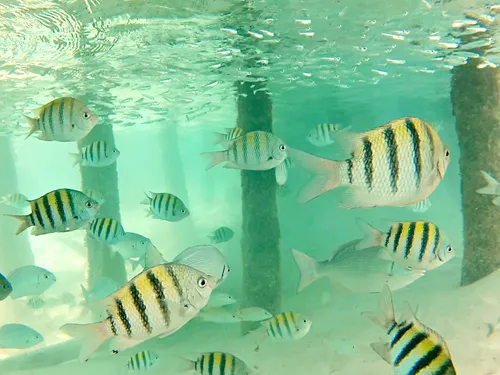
[249, 187]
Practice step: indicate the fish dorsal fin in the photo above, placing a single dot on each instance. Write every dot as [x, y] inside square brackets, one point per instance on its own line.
[343, 249]
[347, 140]
[152, 256]
[205, 258]
[407, 314]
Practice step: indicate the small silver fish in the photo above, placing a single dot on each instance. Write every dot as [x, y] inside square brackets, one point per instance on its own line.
[62, 120]
[253, 314]
[29, 281]
[222, 234]
[218, 299]
[217, 315]
[132, 246]
[15, 200]
[97, 154]
[166, 206]
[19, 336]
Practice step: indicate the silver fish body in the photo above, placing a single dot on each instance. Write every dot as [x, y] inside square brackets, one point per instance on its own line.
[30, 281]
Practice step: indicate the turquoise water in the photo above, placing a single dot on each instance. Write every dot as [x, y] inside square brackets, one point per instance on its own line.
[163, 77]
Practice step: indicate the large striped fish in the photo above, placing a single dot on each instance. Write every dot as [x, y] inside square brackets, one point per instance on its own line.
[218, 363]
[418, 245]
[155, 303]
[397, 164]
[62, 120]
[166, 206]
[258, 151]
[410, 347]
[61, 210]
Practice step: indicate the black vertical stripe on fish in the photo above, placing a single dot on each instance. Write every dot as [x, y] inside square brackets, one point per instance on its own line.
[175, 201]
[202, 365]
[432, 144]
[391, 327]
[71, 110]
[211, 364]
[196, 365]
[60, 205]
[222, 363]
[86, 154]
[278, 328]
[409, 347]
[31, 219]
[61, 114]
[175, 280]
[388, 237]
[271, 328]
[287, 325]
[38, 214]
[392, 157]
[140, 306]
[424, 242]
[409, 239]
[101, 227]
[166, 209]
[110, 225]
[105, 153]
[72, 206]
[137, 361]
[397, 237]
[122, 314]
[417, 152]
[437, 236]
[426, 360]
[349, 170]
[99, 149]
[112, 325]
[245, 150]
[445, 367]
[368, 162]
[233, 365]
[160, 296]
[48, 210]
[399, 334]
[51, 116]
[91, 147]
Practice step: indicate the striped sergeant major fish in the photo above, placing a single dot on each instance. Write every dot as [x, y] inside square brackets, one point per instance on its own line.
[410, 347]
[61, 210]
[62, 120]
[287, 326]
[225, 139]
[142, 361]
[166, 206]
[106, 230]
[322, 134]
[258, 151]
[218, 363]
[97, 154]
[397, 164]
[418, 245]
[155, 303]
[222, 234]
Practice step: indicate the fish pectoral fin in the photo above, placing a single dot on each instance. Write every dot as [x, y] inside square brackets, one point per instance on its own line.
[124, 343]
[231, 166]
[382, 350]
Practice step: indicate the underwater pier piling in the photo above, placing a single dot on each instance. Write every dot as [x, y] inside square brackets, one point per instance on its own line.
[476, 106]
[101, 261]
[260, 231]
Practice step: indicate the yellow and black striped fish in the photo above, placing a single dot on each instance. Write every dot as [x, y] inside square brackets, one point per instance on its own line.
[61, 210]
[106, 230]
[166, 206]
[411, 348]
[322, 134]
[414, 244]
[287, 326]
[397, 164]
[222, 234]
[96, 154]
[155, 303]
[225, 139]
[142, 361]
[218, 363]
[256, 151]
[62, 120]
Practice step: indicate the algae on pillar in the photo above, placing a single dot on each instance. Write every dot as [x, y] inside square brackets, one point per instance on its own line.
[476, 106]
[101, 261]
[261, 233]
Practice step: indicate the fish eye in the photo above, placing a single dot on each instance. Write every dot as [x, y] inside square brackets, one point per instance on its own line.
[75, 217]
[73, 126]
[183, 211]
[447, 153]
[46, 276]
[282, 147]
[88, 204]
[202, 282]
[449, 249]
[305, 320]
[86, 115]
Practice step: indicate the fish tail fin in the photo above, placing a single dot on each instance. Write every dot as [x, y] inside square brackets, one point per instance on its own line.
[492, 187]
[24, 222]
[386, 316]
[326, 174]
[216, 158]
[308, 268]
[92, 336]
[146, 200]
[184, 365]
[77, 159]
[85, 293]
[372, 236]
[382, 349]
[218, 138]
[33, 125]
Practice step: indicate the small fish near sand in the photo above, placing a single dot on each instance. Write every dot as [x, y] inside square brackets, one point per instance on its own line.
[155, 303]
[62, 120]
[61, 210]
[142, 361]
[410, 347]
[19, 336]
[219, 363]
[218, 315]
[97, 154]
[221, 234]
[397, 164]
[30, 281]
[414, 244]
[166, 206]
[253, 314]
[5, 287]
[257, 151]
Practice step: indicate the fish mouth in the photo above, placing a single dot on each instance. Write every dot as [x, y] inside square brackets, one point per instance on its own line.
[440, 171]
[440, 259]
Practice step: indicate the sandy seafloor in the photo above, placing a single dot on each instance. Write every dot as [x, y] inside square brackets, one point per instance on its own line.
[338, 342]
